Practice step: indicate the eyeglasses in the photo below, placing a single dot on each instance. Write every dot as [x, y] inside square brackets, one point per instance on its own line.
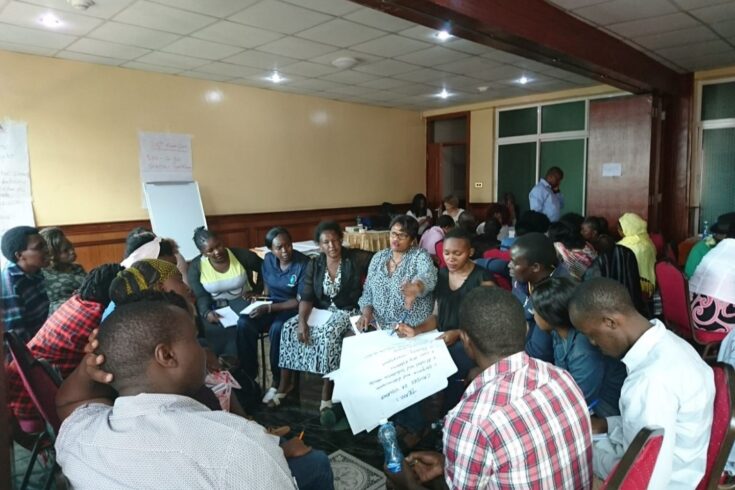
[398, 236]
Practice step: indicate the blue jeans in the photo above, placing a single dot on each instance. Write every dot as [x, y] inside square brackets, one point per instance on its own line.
[248, 330]
[312, 471]
[456, 382]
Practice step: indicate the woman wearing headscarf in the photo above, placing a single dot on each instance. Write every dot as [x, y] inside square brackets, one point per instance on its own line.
[713, 289]
[634, 231]
[63, 276]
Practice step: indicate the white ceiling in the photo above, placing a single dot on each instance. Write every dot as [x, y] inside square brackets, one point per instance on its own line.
[686, 35]
[401, 64]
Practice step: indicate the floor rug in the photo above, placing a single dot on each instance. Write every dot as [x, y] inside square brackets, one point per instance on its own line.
[352, 474]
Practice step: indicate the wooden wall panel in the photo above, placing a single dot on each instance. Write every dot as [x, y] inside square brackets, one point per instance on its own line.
[619, 132]
[99, 243]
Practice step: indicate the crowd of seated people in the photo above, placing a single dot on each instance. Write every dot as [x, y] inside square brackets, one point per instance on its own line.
[571, 351]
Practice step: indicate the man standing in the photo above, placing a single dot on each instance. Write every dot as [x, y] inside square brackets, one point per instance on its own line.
[545, 197]
[521, 423]
[668, 386]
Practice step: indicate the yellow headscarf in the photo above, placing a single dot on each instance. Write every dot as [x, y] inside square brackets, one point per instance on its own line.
[636, 238]
[142, 275]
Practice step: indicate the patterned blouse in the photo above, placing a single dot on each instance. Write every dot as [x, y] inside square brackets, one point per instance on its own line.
[383, 291]
[61, 285]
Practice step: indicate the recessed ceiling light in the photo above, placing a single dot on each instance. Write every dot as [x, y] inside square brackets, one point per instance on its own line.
[443, 35]
[523, 80]
[444, 94]
[345, 62]
[482, 88]
[50, 20]
[276, 78]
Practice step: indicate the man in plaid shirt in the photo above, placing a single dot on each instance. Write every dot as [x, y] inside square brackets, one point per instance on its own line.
[521, 423]
[62, 338]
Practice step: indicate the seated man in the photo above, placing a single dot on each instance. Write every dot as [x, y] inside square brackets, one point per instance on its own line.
[533, 259]
[153, 435]
[668, 386]
[521, 423]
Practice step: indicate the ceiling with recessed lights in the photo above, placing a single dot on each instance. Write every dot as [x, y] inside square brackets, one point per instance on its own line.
[290, 45]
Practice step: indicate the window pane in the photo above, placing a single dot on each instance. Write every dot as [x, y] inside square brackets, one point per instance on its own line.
[568, 155]
[718, 198]
[718, 101]
[562, 117]
[450, 130]
[517, 171]
[517, 123]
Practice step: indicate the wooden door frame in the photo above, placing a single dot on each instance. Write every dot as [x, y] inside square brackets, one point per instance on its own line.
[433, 186]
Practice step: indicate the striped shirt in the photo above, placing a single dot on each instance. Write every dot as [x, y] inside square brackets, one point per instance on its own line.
[23, 301]
[522, 423]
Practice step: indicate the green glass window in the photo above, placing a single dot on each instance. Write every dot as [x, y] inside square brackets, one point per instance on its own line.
[568, 155]
[519, 122]
[517, 171]
[718, 101]
[568, 116]
[718, 149]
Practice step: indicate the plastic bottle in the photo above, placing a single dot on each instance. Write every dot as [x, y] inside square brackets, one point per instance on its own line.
[359, 222]
[388, 439]
[705, 231]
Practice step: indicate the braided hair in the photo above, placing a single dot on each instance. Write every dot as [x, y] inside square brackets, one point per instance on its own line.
[202, 236]
[55, 239]
[96, 285]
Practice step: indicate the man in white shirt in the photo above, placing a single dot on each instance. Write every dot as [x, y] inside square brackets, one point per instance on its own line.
[155, 436]
[545, 197]
[668, 386]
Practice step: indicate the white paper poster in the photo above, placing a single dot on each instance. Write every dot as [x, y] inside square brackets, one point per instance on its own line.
[165, 157]
[612, 169]
[16, 204]
[380, 374]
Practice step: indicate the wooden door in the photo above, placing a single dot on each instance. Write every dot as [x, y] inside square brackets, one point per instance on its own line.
[620, 132]
[434, 174]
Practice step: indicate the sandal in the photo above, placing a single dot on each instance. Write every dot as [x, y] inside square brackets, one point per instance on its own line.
[327, 417]
[270, 394]
[277, 400]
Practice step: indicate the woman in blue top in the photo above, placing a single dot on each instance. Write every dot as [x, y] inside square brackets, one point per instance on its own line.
[598, 376]
[283, 273]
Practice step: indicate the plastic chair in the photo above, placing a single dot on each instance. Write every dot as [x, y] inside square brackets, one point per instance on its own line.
[496, 253]
[659, 243]
[636, 468]
[722, 436]
[439, 248]
[674, 291]
[41, 382]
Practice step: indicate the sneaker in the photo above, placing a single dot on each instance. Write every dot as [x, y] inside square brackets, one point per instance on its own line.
[269, 395]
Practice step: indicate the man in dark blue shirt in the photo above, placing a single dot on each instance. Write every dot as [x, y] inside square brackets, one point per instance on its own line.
[283, 274]
[533, 259]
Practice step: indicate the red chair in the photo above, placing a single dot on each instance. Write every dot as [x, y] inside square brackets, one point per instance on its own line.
[659, 243]
[439, 248]
[636, 468]
[41, 382]
[674, 291]
[496, 253]
[722, 436]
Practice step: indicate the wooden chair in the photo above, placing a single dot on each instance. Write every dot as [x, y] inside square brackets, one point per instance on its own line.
[722, 437]
[636, 468]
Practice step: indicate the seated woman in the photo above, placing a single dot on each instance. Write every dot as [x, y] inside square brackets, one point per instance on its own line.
[498, 212]
[221, 277]
[453, 283]
[487, 240]
[451, 208]
[283, 272]
[143, 244]
[576, 254]
[398, 294]
[421, 212]
[598, 376]
[634, 231]
[435, 234]
[24, 303]
[62, 338]
[332, 282]
[63, 277]
[713, 289]
[593, 227]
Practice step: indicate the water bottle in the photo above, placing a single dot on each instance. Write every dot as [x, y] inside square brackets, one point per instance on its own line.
[705, 231]
[388, 439]
[359, 222]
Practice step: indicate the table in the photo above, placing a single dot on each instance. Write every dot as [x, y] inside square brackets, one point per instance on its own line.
[370, 240]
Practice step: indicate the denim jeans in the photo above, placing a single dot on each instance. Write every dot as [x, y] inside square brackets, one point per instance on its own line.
[248, 330]
[312, 471]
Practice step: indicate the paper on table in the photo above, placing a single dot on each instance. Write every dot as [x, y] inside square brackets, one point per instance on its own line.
[318, 317]
[248, 309]
[228, 316]
[353, 321]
